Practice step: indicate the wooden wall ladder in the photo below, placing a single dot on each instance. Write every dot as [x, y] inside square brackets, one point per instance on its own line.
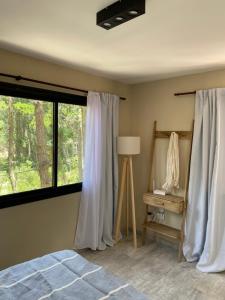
[170, 203]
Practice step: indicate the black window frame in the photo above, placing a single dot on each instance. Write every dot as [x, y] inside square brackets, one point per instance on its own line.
[33, 93]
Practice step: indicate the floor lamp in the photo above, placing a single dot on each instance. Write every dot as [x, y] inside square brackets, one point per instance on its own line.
[127, 146]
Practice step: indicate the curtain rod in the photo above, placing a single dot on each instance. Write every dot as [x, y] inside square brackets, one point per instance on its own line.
[18, 78]
[185, 93]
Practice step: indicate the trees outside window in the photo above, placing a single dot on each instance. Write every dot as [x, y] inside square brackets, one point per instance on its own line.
[26, 144]
[71, 143]
[27, 138]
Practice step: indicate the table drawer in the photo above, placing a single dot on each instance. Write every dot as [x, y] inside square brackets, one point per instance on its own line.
[170, 203]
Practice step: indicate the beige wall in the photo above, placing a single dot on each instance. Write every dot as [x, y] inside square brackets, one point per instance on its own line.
[156, 101]
[30, 230]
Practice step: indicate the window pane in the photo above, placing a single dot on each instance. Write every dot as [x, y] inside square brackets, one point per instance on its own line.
[70, 143]
[26, 134]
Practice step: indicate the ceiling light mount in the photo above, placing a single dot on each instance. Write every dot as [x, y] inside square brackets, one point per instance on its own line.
[120, 12]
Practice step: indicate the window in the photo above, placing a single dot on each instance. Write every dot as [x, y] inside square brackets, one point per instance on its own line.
[70, 143]
[41, 143]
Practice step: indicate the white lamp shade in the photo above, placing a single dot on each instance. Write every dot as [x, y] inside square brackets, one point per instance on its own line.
[128, 145]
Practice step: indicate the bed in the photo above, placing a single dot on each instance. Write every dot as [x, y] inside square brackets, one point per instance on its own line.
[63, 275]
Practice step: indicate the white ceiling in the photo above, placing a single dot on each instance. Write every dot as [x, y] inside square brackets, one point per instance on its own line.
[174, 37]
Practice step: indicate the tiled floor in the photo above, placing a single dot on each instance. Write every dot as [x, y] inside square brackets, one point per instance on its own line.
[154, 270]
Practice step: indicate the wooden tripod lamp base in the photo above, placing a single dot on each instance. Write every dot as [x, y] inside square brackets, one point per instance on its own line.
[127, 146]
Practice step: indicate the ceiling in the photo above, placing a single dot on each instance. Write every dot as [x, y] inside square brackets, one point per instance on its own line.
[174, 37]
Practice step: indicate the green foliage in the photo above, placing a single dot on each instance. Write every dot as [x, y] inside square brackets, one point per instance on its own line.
[3, 105]
[25, 158]
[26, 107]
[71, 132]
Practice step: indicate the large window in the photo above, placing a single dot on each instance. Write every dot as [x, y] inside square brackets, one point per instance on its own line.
[41, 143]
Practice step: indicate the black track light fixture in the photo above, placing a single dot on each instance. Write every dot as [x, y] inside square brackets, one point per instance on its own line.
[120, 12]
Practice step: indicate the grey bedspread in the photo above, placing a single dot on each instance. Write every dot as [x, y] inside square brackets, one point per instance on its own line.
[63, 275]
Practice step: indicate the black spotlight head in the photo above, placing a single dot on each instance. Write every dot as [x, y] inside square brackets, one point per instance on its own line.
[120, 12]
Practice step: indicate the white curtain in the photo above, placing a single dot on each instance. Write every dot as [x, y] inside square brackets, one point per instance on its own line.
[100, 182]
[205, 224]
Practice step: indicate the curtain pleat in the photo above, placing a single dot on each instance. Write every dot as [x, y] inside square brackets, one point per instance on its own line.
[205, 223]
[100, 183]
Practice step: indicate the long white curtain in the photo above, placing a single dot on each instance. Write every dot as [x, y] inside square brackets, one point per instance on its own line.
[100, 182]
[205, 224]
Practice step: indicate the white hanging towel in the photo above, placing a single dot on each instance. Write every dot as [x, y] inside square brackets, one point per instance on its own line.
[172, 168]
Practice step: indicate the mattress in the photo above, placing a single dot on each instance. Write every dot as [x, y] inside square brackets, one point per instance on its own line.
[63, 275]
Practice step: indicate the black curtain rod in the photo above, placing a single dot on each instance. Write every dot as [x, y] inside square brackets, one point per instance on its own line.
[185, 93]
[18, 78]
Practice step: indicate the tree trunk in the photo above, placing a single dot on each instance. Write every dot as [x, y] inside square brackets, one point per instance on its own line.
[18, 139]
[42, 156]
[62, 158]
[11, 146]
